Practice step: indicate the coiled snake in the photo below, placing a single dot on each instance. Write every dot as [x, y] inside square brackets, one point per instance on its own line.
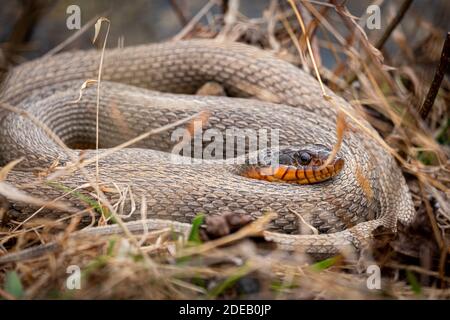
[370, 191]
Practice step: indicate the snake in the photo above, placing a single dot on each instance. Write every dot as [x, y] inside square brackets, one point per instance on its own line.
[51, 124]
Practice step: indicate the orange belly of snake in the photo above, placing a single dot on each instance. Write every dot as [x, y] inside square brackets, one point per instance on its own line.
[291, 174]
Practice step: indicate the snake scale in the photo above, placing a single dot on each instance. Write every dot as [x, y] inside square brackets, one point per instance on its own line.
[148, 86]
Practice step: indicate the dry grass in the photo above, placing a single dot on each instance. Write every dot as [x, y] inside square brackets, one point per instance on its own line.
[159, 265]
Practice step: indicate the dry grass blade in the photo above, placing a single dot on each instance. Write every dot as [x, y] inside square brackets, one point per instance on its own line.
[296, 43]
[304, 222]
[12, 193]
[8, 167]
[98, 25]
[341, 127]
[308, 43]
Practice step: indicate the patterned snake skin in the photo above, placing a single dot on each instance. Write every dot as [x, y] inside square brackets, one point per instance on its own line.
[368, 193]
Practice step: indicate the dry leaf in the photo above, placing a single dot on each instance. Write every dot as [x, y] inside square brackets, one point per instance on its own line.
[97, 27]
[84, 86]
[341, 127]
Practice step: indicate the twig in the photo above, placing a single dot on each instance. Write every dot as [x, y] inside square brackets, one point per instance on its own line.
[179, 12]
[395, 265]
[229, 20]
[224, 6]
[22, 31]
[445, 250]
[272, 19]
[188, 27]
[437, 80]
[393, 24]
[431, 216]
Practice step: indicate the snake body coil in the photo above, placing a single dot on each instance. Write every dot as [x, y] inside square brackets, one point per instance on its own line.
[370, 191]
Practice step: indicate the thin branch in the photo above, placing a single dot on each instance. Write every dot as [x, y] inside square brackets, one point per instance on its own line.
[444, 64]
[393, 24]
[179, 12]
[22, 31]
[188, 27]
[224, 6]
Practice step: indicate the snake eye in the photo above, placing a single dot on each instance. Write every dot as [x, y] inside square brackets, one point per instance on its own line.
[305, 158]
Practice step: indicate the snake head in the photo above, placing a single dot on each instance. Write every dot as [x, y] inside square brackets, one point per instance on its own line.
[302, 165]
